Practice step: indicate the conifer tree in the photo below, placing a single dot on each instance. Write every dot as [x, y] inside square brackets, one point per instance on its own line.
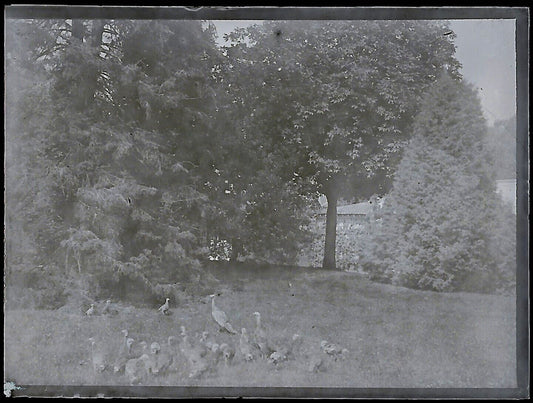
[442, 218]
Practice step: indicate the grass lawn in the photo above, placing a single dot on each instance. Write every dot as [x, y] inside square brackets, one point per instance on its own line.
[396, 337]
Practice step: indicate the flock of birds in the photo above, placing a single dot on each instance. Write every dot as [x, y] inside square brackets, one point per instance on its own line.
[194, 356]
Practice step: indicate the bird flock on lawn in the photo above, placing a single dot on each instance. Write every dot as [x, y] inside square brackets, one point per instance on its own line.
[107, 309]
[186, 356]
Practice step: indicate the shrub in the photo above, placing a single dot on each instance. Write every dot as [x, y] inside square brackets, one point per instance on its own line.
[443, 227]
[36, 287]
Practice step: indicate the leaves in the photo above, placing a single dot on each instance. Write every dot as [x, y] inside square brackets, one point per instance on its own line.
[154, 144]
[334, 86]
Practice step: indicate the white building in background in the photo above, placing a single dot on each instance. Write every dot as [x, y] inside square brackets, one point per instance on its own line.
[506, 188]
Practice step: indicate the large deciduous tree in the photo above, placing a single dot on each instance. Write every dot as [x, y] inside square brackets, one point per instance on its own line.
[337, 97]
[443, 226]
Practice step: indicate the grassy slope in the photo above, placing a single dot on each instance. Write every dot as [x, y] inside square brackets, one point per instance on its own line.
[396, 337]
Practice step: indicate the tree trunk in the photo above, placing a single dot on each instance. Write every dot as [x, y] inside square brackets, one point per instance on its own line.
[78, 88]
[96, 42]
[67, 271]
[78, 30]
[78, 258]
[87, 83]
[97, 32]
[331, 232]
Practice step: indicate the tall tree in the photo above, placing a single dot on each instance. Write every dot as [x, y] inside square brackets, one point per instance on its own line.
[442, 224]
[27, 191]
[117, 141]
[147, 199]
[45, 70]
[337, 97]
[256, 206]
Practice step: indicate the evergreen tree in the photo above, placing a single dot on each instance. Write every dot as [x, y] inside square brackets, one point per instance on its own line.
[443, 216]
[29, 232]
[108, 128]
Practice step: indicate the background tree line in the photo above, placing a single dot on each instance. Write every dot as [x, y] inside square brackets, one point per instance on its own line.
[136, 148]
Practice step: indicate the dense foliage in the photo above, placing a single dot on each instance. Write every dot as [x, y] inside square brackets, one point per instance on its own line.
[332, 100]
[136, 151]
[124, 165]
[443, 225]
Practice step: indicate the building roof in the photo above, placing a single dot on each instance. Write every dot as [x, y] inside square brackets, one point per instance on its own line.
[351, 209]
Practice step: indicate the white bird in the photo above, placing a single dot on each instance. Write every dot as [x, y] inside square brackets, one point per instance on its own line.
[215, 353]
[199, 349]
[220, 317]
[210, 349]
[123, 342]
[329, 348]
[288, 349]
[333, 350]
[137, 368]
[197, 362]
[155, 347]
[244, 346]
[90, 311]
[259, 337]
[316, 365]
[295, 345]
[107, 309]
[160, 361]
[174, 352]
[204, 336]
[152, 365]
[124, 353]
[164, 308]
[227, 352]
[291, 348]
[129, 342]
[276, 357]
[97, 357]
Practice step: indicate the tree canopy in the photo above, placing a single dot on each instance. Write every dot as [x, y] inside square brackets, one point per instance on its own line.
[124, 159]
[138, 150]
[334, 99]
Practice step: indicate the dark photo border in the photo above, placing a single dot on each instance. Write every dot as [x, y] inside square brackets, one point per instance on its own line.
[520, 15]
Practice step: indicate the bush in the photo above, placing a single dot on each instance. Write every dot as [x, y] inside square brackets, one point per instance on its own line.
[36, 287]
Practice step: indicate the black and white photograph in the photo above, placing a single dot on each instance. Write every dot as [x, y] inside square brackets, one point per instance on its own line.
[265, 202]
